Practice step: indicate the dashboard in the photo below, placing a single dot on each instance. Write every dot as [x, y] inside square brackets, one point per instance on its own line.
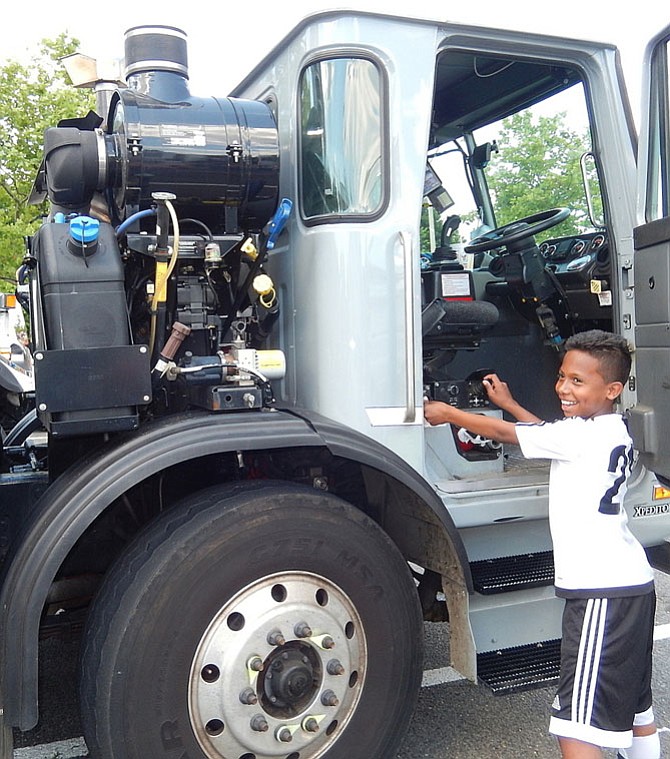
[577, 259]
[582, 267]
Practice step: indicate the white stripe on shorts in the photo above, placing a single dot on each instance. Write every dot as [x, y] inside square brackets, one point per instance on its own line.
[588, 660]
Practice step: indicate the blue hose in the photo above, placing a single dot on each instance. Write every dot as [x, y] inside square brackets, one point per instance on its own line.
[139, 215]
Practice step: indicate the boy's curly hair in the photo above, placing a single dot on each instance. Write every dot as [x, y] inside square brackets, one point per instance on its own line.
[612, 351]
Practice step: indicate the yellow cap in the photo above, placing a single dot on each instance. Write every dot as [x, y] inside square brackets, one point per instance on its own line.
[263, 284]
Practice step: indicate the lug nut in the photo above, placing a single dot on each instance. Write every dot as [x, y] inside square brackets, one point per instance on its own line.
[334, 667]
[275, 638]
[248, 696]
[255, 664]
[283, 735]
[329, 698]
[259, 724]
[302, 630]
[324, 641]
[310, 725]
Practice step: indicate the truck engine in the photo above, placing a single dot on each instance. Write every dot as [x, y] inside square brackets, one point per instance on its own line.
[147, 288]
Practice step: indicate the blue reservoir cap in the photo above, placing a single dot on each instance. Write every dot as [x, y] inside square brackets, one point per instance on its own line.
[59, 218]
[84, 229]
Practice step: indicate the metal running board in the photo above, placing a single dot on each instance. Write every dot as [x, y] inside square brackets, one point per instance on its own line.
[520, 668]
[509, 573]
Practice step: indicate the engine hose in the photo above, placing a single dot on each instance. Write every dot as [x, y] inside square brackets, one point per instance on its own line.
[163, 272]
[131, 219]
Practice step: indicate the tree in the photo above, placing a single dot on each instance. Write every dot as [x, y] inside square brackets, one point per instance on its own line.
[538, 168]
[32, 98]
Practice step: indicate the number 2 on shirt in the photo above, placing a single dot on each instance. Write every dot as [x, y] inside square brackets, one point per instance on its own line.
[621, 463]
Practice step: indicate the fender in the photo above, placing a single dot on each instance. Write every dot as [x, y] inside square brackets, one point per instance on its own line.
[74, 501]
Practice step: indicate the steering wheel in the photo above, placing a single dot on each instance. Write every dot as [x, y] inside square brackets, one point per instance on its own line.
[519, 230]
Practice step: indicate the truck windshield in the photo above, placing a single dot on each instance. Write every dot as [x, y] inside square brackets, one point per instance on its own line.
[528, 161]
[512, 138]
[341, 139]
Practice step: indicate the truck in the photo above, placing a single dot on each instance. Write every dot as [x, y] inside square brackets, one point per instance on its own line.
[16, 370]
[237, 306]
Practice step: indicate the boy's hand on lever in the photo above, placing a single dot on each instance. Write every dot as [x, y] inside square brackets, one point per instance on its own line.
[497, 391]
[436, 412]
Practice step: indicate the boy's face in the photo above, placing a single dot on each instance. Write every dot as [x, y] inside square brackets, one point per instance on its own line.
[582, 389]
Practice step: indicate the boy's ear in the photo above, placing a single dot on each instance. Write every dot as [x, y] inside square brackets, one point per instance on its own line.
[614, 390]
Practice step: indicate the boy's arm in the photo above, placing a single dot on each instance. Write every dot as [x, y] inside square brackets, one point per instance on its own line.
[490, 427]
[500, 394]
[436, 412]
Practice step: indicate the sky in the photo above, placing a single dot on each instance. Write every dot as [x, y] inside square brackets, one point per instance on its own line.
[225, 39]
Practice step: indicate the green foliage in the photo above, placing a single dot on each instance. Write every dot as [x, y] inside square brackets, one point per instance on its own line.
[32, 98]
[538, 168]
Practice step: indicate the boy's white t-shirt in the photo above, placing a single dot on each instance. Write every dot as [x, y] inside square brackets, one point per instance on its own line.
[595, 554]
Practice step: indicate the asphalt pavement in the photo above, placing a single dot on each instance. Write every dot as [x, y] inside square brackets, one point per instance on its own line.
[454, 719]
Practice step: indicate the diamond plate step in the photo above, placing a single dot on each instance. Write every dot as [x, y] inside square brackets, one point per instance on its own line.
[509, 573]
[521, 668]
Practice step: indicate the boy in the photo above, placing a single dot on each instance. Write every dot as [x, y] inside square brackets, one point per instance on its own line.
[604, 692]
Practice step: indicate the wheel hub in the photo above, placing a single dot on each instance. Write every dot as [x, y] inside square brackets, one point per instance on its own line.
[279, 672]
[290, 678]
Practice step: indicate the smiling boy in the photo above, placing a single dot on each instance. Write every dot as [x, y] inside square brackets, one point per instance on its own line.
[604, 693]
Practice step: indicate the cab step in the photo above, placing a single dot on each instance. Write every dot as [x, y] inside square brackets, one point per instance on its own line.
[502, 575]
[520, 668]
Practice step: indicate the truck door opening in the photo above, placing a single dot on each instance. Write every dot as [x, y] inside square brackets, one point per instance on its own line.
[517, 257]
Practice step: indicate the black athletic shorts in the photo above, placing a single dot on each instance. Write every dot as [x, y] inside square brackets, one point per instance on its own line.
[605, 669]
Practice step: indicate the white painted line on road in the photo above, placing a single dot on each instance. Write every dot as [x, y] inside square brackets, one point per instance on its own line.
[69, 749]
[439, 676]
[661, 632]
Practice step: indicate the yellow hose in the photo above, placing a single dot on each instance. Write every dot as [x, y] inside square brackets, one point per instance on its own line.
[164, 271]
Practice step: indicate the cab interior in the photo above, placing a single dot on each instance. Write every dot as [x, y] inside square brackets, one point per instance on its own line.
[504, 284]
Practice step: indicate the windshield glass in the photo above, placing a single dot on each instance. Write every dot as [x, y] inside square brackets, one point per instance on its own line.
[527, 162]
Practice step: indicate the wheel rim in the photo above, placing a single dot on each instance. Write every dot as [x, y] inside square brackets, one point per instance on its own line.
[279, 671]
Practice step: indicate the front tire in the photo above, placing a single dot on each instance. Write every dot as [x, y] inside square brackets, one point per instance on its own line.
[254, 622]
